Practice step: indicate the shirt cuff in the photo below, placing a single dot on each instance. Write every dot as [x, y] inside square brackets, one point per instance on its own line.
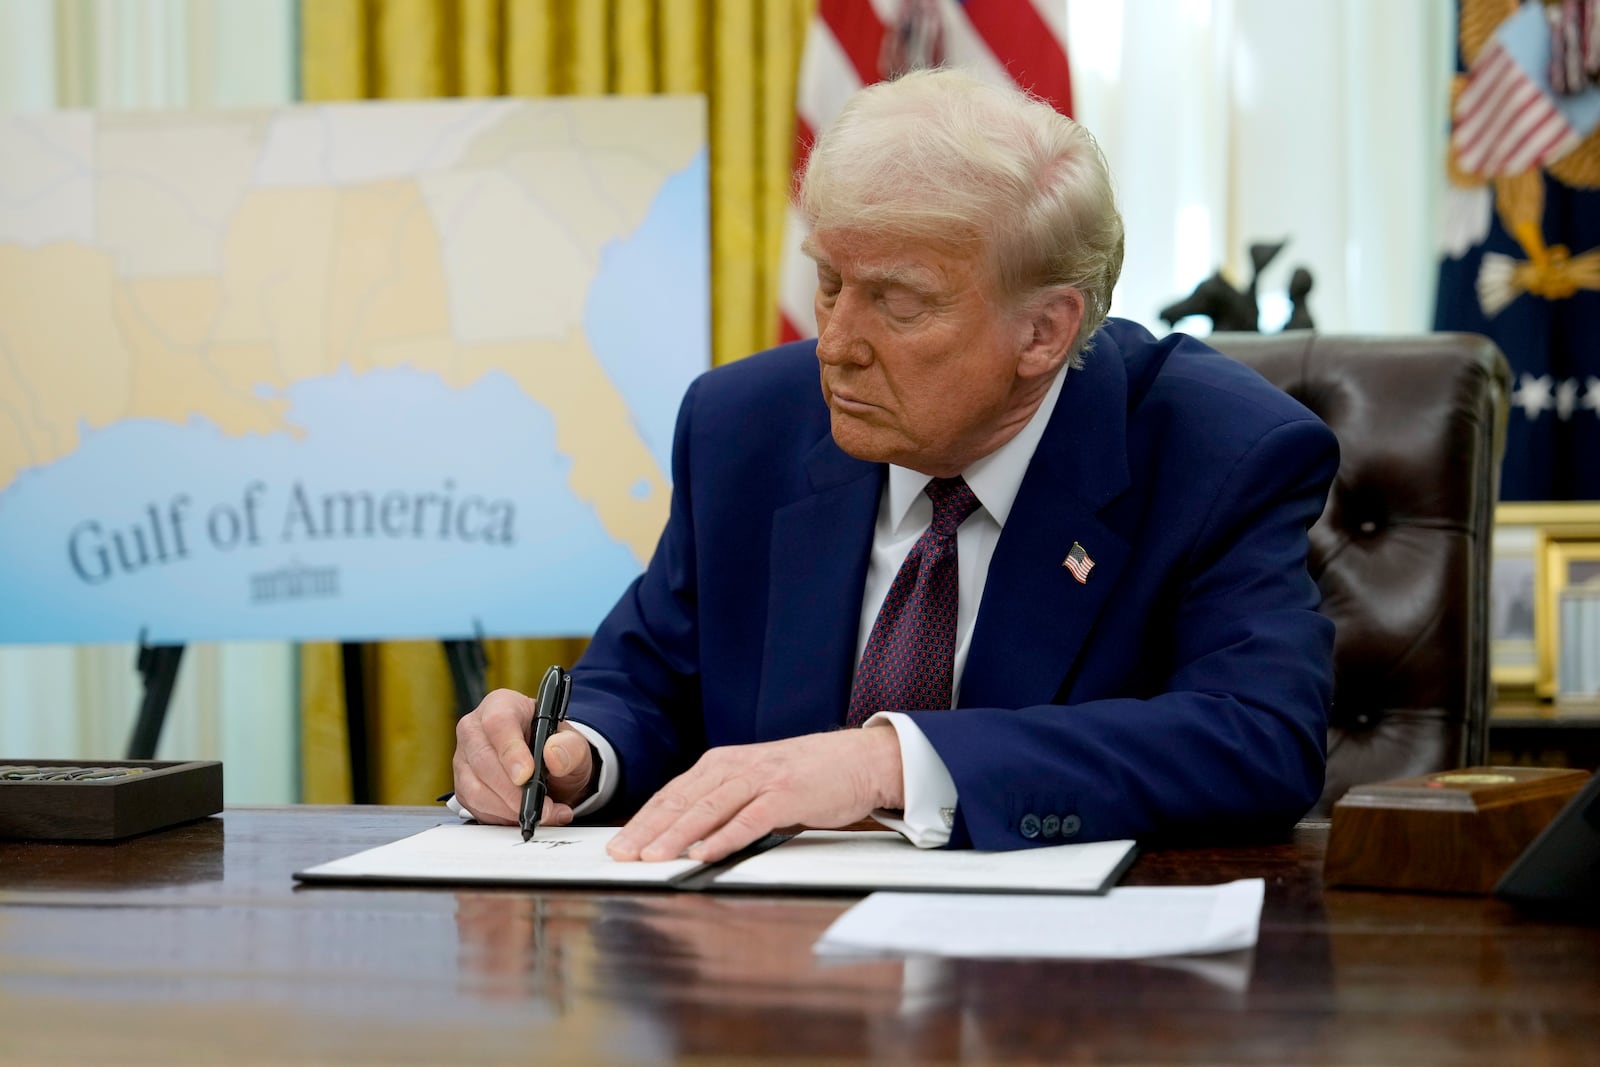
[603, 790]
[606, 787]
[930, 792]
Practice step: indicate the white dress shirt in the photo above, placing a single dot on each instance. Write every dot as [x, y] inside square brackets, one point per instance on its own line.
[904, 511]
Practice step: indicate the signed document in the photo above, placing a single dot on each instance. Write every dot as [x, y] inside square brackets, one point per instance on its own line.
[463, 853]
[813, 861]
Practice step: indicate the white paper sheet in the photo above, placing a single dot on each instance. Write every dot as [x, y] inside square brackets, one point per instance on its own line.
[1129, 923]
[473, 853]
[866, 859]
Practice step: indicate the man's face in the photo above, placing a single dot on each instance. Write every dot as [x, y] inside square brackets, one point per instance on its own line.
[919, 363]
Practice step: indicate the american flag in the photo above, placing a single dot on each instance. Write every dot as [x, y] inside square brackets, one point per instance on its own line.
[852, 43]
[1506, 122]
[1508, 117]
[1079, 563]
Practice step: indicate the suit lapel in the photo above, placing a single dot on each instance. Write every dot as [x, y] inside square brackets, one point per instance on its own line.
[820, 547]
[1035, 615]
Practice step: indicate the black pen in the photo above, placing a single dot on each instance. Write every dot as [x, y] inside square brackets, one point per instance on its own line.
[554, 692]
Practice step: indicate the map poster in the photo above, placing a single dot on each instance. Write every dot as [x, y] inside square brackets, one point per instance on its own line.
[352, 372]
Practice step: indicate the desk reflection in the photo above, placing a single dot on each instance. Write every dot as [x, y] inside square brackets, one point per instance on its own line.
[700, 974]
[513, 947]
[173, 858]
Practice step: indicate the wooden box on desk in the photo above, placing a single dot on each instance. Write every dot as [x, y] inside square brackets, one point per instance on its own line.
[162, 793]
[1451, 832]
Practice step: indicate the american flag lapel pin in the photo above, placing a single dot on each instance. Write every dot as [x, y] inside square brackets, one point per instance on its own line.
[1079, 563]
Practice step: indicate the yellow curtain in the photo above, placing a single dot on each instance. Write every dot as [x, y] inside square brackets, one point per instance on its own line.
[744, 56]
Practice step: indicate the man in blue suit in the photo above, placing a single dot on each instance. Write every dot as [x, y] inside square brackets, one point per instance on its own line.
[1054, 568]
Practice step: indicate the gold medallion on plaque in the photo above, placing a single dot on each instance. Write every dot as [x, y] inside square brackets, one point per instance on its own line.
[1473, 779]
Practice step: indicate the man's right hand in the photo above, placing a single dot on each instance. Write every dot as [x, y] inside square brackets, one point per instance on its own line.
[492, 761]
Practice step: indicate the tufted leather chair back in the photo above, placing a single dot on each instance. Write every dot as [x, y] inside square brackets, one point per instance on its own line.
[1401, 551]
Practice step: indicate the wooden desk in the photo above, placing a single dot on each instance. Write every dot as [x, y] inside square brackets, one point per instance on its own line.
[195, 946]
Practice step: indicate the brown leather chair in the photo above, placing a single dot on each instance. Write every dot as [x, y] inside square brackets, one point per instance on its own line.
[1401, 551]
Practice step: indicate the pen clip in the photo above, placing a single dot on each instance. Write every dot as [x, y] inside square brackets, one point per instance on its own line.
[563, 697]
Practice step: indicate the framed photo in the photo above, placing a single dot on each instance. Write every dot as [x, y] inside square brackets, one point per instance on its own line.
[1564, 560]
[1539, 548]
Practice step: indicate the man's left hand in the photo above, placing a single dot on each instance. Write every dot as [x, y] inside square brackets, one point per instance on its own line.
[735, 795]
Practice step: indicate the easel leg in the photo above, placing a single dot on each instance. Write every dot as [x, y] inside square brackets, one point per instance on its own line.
[355, 716]
[158, 664]
[469, 664]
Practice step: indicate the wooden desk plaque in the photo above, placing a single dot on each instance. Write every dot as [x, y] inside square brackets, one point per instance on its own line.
[103, 800]
[1449, 832]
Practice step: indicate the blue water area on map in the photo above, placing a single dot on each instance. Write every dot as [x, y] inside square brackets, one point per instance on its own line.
[422, 479]
[648, 318]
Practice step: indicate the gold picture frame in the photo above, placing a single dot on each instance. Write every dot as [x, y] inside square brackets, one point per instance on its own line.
[1564, 559]
[1534, 546]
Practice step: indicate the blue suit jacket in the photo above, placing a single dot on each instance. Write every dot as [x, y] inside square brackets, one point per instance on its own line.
[1182, 689]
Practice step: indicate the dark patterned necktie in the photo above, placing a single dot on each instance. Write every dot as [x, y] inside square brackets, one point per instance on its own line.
[910, 655]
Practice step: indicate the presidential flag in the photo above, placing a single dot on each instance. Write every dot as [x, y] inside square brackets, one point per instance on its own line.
[1522, 235]
[852, 43]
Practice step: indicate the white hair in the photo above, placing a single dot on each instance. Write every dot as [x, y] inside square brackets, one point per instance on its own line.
[940, 154]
